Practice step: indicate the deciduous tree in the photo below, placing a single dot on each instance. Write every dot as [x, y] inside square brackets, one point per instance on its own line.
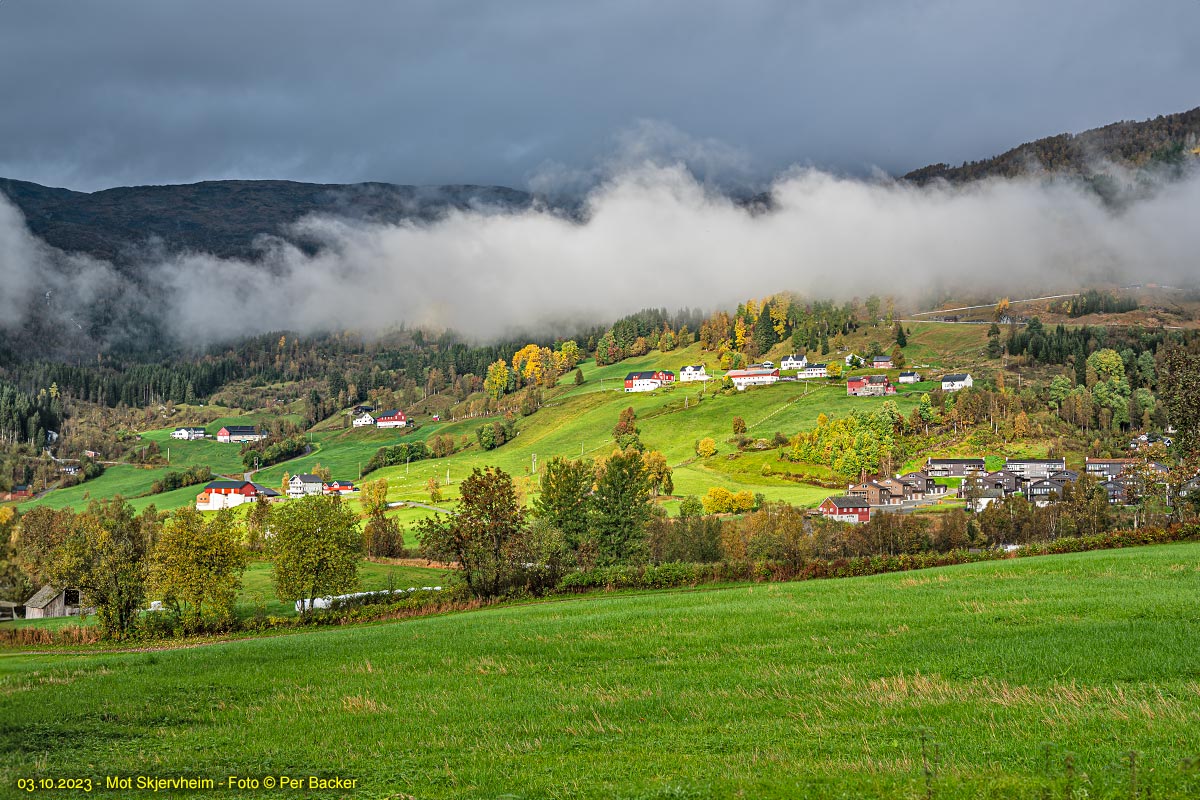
[315, 548]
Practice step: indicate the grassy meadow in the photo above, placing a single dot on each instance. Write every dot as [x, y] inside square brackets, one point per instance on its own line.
[818, 689]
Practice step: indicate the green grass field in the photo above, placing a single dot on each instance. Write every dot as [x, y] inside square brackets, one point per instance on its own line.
[818, 689]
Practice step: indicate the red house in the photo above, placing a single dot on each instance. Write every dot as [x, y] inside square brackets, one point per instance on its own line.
[339, 487]
[20, 490]
[648, 381]
[846, 509]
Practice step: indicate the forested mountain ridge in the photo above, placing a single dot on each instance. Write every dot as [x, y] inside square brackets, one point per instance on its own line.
[1167, 139]
[225, 217]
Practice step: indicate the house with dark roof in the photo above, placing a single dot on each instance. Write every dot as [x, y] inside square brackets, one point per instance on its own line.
[1035, 469]
[188, 433]
[984, 498]
[909, 377]
[813, 371]
[302, 485]
[953, 467]
[846, 509]
[956, 381]
[881, 362]
[20, 491]
[648, 380]
[693, 372]
[793, 361]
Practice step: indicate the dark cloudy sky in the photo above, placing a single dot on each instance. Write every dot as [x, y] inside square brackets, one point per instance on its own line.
[96, 93]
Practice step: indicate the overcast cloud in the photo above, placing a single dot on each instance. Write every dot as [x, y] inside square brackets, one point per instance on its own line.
[96, 94]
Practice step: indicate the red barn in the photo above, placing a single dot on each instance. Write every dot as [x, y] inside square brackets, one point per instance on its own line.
[846, 509]
[391, 419]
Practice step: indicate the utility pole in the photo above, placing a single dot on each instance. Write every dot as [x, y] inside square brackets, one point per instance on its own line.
[533, 464]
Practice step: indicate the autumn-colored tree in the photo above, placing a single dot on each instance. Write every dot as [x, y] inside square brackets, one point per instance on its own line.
[898, 360]
[373, 496]
[706, 448]
[1002, 309]
[626, 424]
[315, 547]
[569, 355]
[739, 425]
[497, 379]
[739, 334]
[834, 369]
[41, 533]
[198, 564]
[658, 472]
[435, 491]
[106, 557]
[527, 365]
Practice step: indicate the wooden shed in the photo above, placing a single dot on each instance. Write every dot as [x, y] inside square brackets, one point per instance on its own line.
[51, 601]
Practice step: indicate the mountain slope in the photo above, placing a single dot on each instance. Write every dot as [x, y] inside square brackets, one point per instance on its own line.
[225, 217]
[1164, 139]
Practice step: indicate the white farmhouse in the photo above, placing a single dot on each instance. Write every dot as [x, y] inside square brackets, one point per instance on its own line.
[363, 420]
[188, 433]
[813, 371]
[793, 362]
[693, 372]
[952, 383]
[392, 419]
[752, 377]
[305, 484]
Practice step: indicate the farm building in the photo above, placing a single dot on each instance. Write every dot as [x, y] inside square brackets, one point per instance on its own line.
[20, 491]
[813, 371]
[881, 362]
[909, 377]
[846, 509]
[793, 362]
[363, 420]
[239, 434]
[693, 372]
[227, 494]
[50, 601]
[952, 383]
[869, 386]
[953, 467]
[752, 377]
[648, 381]
[339, 487]
[391, 419]
[306, 484]
[188, 433]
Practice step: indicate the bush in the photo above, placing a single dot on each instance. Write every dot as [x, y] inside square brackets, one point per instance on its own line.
[706, 448]
[396, 455]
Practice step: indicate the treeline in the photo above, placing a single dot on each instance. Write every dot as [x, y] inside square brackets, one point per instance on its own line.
[272, 450]
[1096, 302]
[1161, 140]
[177, 479]
[395, 455]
